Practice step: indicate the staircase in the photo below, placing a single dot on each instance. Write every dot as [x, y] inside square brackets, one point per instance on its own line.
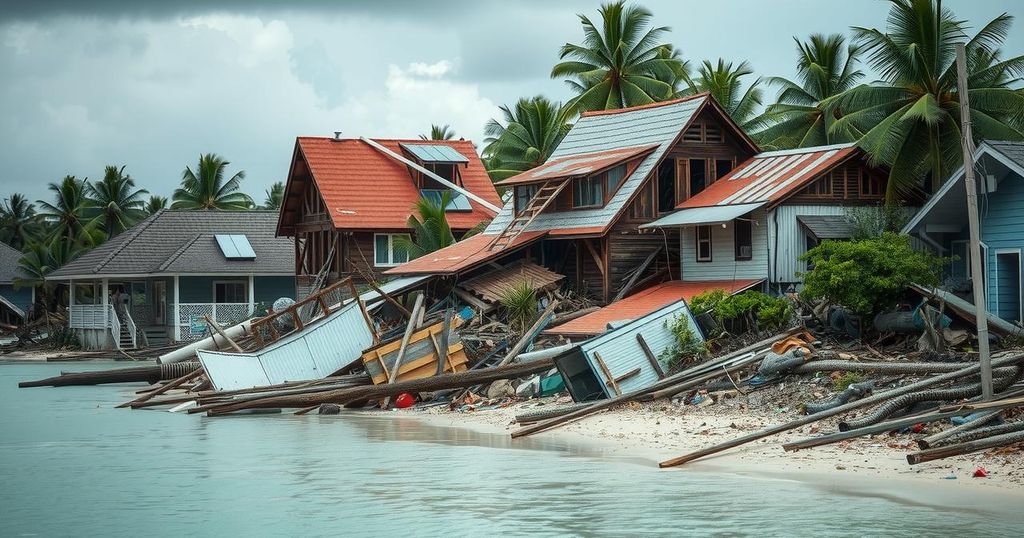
[155, 336]
[540, 201]
[125, 336]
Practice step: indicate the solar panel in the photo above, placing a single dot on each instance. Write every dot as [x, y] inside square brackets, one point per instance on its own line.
[235, 247]
[435, 153]
[457, 201]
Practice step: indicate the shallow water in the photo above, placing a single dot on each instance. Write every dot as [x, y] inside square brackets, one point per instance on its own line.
[70, 464]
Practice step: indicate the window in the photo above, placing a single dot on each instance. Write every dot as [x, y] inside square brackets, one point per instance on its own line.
[667, 186]
[386, 253]
[524, 194]
[615, 177]
[588, 192]
[722, 167]
[703, 243]
[232, 291]
[87, 293]
[698, 176]
[693, 134]
[445, 170]
[743, 238]
[870, 185]
[821, 187]
[138, 293]
[643, 206]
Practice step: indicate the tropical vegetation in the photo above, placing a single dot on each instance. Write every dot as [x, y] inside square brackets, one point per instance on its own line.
[206, 188]
[525, 137]
[430, 230]
[274, 196]
[726, 84]
[439, 132]
[18, 221]
[116, 202]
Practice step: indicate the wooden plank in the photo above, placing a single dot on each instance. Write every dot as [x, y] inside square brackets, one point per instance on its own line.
[594, 254]
[636, 274]
[607, 374]
[216, 327]
[630, 374]
[409, 327]
[650, 356]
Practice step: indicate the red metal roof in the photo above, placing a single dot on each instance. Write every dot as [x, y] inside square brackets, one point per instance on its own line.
[643, 303]
[770, 177]
[365, 189]
[582, 164]
[463, 255]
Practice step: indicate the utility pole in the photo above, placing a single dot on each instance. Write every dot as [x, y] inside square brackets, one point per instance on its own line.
[977, 278]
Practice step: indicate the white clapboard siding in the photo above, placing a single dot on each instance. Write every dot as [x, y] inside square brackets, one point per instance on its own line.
[784, 263]
[723, 254]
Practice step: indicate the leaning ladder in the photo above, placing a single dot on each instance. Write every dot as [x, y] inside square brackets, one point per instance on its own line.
[541, 200]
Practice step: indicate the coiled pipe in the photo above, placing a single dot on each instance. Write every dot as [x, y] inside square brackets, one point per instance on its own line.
[175, 370]
[852, 392]
[980, 433]
[880, 367]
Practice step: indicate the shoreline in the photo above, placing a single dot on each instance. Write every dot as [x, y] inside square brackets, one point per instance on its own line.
[654, 432]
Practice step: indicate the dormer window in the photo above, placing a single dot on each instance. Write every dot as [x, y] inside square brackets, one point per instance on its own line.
[445, 170]
[456, 200]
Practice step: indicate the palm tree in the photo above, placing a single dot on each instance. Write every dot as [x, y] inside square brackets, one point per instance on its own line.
[39, 259]
[430, 231]
[18, 221]
[826, 67]
[205, 187]
[68, 215]
[911, 117]
[532, 130]
[118, 204]
[439, 132]
[725, 84]
[274, 196]
[620, 64]
[155, 203]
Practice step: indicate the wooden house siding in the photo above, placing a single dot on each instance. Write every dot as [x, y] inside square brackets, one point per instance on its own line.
[1002, 231]
[723, 264]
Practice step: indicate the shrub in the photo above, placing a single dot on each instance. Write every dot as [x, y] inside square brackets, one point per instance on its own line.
[744, 311]
[686, 347]
[871, 222]
[520, 302]
[867, 276]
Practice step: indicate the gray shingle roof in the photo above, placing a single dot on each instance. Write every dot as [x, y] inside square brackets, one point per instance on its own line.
[827, 226]
[1013, 150]
[9, 268]
[182, 242]
[644, 126]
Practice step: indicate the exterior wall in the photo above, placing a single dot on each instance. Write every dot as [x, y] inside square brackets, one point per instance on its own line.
[271, 288]
[723, 264]
[787, 240]
[95, 339]
[1002, 230]
[628, 248]
[22, 298]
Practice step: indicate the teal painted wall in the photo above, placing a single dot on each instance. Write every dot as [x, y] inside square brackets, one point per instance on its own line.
[1002, 228]
[271, 288]
[22, 297]
[199, 289]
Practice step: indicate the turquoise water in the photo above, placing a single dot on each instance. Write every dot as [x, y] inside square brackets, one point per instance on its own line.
[71, 465]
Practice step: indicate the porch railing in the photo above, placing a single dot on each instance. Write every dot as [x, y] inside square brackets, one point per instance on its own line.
[129, 324]
[88, 316]
[115, 326]
[193, 326]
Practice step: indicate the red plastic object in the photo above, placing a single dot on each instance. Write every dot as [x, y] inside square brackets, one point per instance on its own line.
[917, 428]
[404, 400]
[980, 472]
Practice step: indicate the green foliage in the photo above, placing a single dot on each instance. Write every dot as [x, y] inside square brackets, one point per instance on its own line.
[532, 129]
[430, 230]
[156, 203]
[621, 62]
[19, 223]
[869, 222]
[744, 311]
[205, 187]
[63, 337]
[842, 382]
[686, 347]
[274, 196]
[117, 204]
[867, 276]
[520, 304]
[725, 84]
[439, 132]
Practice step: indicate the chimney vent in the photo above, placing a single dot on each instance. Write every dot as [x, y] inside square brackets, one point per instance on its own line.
[337, 135]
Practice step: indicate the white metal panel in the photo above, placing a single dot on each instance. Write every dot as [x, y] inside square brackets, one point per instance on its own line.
[230, 371]
[703, 215]
[723, 264]
[621, 352]
[784, 263]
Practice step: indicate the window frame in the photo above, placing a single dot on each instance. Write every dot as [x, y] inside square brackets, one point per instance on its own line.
[234, 282]
[749, 225]
[577, 183]
[531, 188]
[697, 242]
[391, 249]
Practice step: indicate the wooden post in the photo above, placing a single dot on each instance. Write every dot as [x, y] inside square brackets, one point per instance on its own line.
[216, 327]
[409, 328]
[977, 278]
[650, 356]
[611, 382]
[362, 308]
[177, 310]
[177, 382]
[401, 309]
[529, 335]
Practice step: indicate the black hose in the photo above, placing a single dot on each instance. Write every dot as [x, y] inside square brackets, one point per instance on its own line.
[1002, 378]
[852, 392]
[880, 367]
[980, 433]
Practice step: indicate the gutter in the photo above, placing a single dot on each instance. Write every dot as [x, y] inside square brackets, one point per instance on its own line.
[493, 208]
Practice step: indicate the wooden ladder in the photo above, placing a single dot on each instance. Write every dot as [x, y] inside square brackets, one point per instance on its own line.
[541, 200]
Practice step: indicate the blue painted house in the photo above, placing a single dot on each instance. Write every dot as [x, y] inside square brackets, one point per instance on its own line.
[15, 301]
[157, 281]
[942, 224]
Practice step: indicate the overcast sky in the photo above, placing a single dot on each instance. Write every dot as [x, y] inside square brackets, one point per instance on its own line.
[111, 82]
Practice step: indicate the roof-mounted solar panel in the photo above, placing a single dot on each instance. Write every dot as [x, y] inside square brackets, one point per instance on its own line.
[456, 202]
[435, 153]
[235, 247]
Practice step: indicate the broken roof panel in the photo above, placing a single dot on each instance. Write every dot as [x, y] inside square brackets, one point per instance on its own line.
[827, 226]
[435, 153]
[645, 302]
[577, 165]
[702, 215]
[493, 285]
[770, 177]
[465, 254]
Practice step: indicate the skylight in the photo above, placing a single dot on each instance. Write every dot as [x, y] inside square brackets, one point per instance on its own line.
[435, 153]
[235, 247]
[457, 202]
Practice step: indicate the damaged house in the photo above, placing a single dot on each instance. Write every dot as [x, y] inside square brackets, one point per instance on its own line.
[347, 200]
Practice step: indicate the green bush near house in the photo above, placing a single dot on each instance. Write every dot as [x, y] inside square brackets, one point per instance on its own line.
[686, 347]
[870, 275]
[744, 311]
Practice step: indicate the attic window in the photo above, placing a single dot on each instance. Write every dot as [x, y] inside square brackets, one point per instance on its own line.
[235, 247]
[693, 134]
[445, 170]
[457, 201]
[712, 134]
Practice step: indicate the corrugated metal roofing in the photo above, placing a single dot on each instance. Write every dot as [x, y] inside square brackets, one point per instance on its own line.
[365, 189]
[644, 302]
[395, 286]
[493, 285]
[827, 226]
[703, 215]
[435, 153]
[656, 125]
[313, 353]
[769, 177]
[576, 165]
[465, 254]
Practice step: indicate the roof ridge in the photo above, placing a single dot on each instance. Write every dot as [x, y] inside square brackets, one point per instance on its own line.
[797, 151]
[177, 253]
[129, 237]
[643, 107]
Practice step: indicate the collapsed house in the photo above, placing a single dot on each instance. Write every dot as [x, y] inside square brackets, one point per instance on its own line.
[162, 279]
[941, 225]
[347, 200]
[15, 301]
